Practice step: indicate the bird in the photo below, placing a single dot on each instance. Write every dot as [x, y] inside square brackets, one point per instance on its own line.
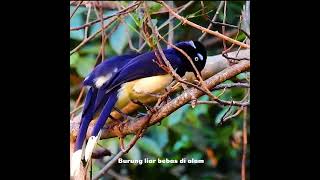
[117, 81]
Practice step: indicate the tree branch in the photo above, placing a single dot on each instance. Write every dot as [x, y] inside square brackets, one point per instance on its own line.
[214, 65]
[215, 33]
[184, 98]
[181, 100]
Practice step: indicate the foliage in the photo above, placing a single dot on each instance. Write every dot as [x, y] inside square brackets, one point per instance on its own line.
[186, 133]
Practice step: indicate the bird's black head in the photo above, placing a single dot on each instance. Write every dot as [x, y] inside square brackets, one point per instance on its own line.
[196, 52]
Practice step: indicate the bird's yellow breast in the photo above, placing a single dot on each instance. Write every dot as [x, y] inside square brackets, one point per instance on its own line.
[141, 89]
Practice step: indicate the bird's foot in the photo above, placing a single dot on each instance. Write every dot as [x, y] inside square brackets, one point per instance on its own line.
[124, 115]
[140, 114]
[148, 108]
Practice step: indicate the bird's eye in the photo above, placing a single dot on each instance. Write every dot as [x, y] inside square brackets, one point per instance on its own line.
[196, 58]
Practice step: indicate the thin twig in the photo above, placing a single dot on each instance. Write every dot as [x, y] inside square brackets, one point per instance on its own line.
[244, 145]
[215, 33]
[225, 55]
[170, 31]
[170, 18]
[202, 7]
[232, 116]
[230, 25]
[76, 8]
[228, 110]
[213, 20]
[122, 12]
[169, 107]
[87, 20]
[223, 27]
[92, 36]
[225, 103]
[76, 109]
[203, 87]
[231, 85]
[77, 102]
[122, 152]
[108, 166]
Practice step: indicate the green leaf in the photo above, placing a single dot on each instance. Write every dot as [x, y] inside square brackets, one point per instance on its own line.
[119, 39]
[150, 146]
[75, 22]
[73, 59]
[91, 49]
[177, 116]
[84, 66]
[222, 112]
[195, 155]
[97, 26]
[134, 153]
[111, 144]
[80, 11]
[154, 6]
[242, 76]
[241, 37]
[160, 134]
[184, 142]
[154, 22]
[136, 19]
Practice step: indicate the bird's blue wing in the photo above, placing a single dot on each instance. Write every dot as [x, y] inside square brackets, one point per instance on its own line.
[110, 66]
[139, 67]
[143, 66]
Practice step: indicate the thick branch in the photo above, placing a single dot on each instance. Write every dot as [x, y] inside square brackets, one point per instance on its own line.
[214, 65]
[181, 100]
[184, 98]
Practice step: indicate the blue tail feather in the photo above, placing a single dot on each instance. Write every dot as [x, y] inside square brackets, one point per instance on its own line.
[112, 99]
[87, 115]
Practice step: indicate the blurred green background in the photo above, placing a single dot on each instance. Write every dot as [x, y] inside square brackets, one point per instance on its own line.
[186, 133]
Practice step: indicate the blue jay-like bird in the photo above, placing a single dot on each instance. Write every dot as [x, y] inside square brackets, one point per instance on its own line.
[113, 83]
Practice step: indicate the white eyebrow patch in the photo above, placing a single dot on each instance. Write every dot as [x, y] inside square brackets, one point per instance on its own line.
[192, 44]
[200, 56]
[99, 81]
[115, 70]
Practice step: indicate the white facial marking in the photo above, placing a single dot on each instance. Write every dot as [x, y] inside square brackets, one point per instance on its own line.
[115, 70]
[192, 44]
[200, 56]
[99, 81]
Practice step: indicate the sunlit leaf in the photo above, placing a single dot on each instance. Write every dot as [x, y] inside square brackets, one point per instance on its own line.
[73, 59]
[119, 39]
[154, 22]
[97, 26]
[150, 146]
[154, 6]
[111, 144]
[195, 155]
[76, 22]
[242, 75]
[222, 112]
[177, 116]
[134, 153]
[160, 134]
[184, 142]
[84, 66]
